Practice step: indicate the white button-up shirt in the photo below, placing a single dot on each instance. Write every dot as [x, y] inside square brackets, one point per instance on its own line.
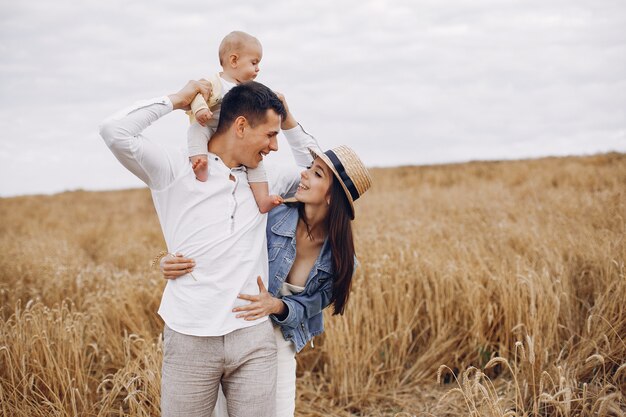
[216, 222]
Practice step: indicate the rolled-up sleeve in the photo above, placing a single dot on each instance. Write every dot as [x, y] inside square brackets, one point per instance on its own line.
[301, 306]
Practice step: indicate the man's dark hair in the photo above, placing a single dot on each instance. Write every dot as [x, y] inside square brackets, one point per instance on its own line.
[250, 100]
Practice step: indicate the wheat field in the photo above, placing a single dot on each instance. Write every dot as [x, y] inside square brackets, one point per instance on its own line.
[484, 289]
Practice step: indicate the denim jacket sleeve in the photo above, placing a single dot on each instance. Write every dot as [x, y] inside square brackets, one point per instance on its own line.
[301, 306]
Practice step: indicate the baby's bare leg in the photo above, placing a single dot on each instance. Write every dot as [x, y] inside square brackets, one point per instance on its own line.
[262, 196]
[199, 165]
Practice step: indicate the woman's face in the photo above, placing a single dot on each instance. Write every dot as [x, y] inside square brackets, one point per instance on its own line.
[315, 182]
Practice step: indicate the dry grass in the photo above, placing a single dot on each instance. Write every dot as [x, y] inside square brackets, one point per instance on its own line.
[485, 289]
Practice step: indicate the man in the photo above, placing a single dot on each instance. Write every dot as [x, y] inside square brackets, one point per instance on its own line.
[217, 223]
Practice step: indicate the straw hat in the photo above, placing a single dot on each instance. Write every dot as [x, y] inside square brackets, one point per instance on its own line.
[348, 169]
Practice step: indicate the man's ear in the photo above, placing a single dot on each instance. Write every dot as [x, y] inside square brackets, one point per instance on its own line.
[233, 59]
[240, 124]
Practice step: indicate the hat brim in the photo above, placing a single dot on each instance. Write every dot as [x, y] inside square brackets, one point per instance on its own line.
[327, 161]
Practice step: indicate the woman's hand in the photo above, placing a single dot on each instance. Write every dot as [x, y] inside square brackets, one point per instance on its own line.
[290, 121]
[260, 305]
[176, 266]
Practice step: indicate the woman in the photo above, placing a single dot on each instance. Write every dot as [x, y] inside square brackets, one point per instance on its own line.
[311, 259]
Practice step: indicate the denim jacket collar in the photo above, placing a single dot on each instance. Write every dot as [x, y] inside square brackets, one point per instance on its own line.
[286, 226]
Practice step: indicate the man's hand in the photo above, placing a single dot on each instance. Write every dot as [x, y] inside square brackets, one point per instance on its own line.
[183, 99]
[260, 305]
[203, 116]
[290, 121]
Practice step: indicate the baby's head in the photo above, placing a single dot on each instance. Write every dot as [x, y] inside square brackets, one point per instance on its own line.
[240, 55]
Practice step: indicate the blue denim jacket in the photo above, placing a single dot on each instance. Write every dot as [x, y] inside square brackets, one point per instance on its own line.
[304, 319]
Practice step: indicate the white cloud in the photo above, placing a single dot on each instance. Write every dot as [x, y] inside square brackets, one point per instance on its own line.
[402, 82]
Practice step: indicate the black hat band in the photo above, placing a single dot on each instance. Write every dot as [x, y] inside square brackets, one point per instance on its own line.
[342, 174]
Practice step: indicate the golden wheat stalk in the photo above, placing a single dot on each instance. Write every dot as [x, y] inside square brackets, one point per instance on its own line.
[546, 251]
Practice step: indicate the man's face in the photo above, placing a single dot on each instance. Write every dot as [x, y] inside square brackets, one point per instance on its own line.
[260, 140]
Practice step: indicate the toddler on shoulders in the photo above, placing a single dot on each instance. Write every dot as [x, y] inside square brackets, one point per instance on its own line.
[240, 55]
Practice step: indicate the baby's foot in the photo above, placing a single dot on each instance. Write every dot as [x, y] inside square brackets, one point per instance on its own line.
[269, 203]
[200, 165]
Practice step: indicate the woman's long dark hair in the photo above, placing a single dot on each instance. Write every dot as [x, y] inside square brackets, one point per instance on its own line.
[341, 245]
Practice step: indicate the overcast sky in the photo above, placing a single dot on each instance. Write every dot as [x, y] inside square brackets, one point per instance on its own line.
[402, 82]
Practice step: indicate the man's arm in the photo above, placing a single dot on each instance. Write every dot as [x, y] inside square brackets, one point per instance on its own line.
[284, 180]
[183, 98]
[150, 162]
[299, 140]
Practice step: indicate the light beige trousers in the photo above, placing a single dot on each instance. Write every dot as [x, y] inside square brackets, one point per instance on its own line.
[243, 361]
[285, 381]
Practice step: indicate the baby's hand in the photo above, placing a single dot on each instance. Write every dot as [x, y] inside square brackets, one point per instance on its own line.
[203, 116]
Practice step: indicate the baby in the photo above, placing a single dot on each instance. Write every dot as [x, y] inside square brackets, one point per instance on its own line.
[240, 55]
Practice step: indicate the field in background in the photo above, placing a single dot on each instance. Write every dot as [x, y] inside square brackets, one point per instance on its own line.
[484, 289]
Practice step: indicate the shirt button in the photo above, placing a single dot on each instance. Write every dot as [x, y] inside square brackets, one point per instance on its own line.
[216, 158]
[232, 217]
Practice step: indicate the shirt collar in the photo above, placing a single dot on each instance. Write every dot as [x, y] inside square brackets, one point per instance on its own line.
[216, 161]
